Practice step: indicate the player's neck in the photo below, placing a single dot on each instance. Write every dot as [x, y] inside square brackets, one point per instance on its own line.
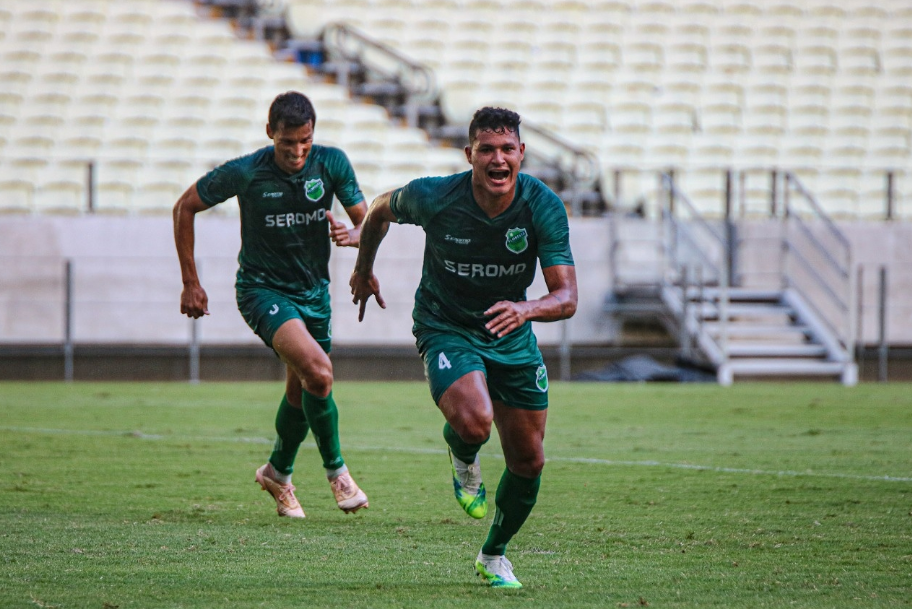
[493, 205]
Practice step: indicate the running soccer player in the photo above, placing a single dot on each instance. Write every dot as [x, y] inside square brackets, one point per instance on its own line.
[485, 230]
[285, 192]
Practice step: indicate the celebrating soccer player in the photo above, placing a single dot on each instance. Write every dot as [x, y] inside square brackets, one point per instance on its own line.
[285, 192]
[485, 230]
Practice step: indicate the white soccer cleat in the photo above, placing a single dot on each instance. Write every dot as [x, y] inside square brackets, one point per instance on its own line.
[286, 502]
[348, 496]
[496, 570]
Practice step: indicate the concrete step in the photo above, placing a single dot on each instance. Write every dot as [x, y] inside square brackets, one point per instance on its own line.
[738, 310]
[736, 294]
[754, 350]
[785, 367]
[743, 330]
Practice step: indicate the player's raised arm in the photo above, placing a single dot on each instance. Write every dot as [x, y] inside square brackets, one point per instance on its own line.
[374, 227]
[194, 302]
[559, 303]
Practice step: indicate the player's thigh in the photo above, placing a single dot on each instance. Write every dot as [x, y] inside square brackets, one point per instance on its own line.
[266, 310]
[456, 376]
[523, 386]
[447, 358]
[466, 405]
[303, 354]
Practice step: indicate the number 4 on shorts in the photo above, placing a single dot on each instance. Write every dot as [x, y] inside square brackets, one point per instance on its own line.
[442, 362]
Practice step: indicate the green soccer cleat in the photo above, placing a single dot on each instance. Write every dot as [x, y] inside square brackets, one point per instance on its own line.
[468, 487]
[496, 571]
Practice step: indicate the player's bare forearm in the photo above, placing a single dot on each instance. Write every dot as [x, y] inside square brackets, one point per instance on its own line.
[559, 303]
[372, 230]
[194, 302]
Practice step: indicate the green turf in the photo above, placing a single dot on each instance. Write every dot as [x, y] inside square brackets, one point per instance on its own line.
[758, 495]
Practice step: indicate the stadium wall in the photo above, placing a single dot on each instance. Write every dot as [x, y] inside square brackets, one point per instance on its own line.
[126, 289]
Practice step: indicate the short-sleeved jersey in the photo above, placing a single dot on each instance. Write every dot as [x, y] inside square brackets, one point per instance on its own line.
[284, 231]
[472, 261]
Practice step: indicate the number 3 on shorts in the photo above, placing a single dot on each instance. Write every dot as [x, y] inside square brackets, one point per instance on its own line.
[442, 362]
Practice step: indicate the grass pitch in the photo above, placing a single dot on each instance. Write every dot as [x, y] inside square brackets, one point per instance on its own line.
[758, 495]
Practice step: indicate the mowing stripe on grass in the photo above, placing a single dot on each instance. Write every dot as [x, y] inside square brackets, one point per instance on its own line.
[435, 451]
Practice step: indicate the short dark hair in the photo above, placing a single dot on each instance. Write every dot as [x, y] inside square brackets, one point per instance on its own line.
[497, 120]
[291, 109]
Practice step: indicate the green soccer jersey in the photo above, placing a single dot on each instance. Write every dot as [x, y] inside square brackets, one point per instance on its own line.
[472, 261]
[284, 231]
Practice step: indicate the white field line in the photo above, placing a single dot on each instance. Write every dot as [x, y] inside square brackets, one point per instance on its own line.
[435, 451]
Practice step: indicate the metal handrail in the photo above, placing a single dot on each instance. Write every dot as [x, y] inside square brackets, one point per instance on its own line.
[669, 184]
[820, 247]
[352, 45]
[584, 167]
[818, 210]
[840, 293]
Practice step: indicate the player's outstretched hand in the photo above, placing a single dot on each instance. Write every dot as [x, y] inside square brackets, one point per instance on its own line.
[194, 301]
[340, 234]
[507, 316]
[363, 287]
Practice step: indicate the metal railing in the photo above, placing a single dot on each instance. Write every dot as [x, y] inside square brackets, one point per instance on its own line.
[695, 249]
[351, 49]
[817, 262]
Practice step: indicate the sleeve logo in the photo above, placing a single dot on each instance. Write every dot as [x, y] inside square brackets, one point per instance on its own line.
[313, 189]
[517, 240]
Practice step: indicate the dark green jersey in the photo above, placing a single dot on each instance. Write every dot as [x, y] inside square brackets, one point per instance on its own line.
[284, 231]
[472, 261]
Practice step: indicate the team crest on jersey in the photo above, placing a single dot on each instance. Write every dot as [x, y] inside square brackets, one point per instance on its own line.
[517, 240]
[541, 379]
[313, 189]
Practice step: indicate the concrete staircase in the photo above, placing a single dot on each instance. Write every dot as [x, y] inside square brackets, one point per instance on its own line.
[689, 272]
[758, 333]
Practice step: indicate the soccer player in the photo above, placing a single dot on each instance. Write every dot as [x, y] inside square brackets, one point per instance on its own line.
[485, 230]
[285, 192]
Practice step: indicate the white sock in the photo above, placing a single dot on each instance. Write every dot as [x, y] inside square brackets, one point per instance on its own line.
[280, 477]
[332, 474]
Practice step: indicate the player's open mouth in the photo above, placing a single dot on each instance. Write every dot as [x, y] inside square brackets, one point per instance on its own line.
[498, 175]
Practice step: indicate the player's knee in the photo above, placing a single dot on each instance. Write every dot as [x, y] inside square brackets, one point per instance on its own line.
[530, 468]
[475, 430]
[319, 381]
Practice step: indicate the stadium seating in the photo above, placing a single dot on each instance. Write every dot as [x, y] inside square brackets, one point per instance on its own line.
[154, 94]
[789, 83]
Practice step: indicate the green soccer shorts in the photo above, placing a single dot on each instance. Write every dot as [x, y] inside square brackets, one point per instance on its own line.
[266, 310]
[449, 356]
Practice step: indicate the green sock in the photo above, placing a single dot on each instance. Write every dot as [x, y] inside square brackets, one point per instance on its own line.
[291, 427]
[463, 451]
[514, 501]
[324, 421]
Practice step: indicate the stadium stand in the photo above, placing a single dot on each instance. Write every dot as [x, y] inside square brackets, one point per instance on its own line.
[804, 84]
[153, 93]
[794, 84]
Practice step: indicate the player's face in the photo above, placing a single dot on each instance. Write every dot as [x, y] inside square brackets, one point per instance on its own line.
[292, 145]
[495, 159]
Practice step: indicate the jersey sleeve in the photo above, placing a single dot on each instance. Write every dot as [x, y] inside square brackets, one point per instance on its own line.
[343, 177]
[223, 182]
[419, 201]
[553, 231]
[406, 202]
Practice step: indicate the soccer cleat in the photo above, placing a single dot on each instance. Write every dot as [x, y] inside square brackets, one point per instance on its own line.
[286, 502]
[468, 487]
[496, 570]
[349, 497]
